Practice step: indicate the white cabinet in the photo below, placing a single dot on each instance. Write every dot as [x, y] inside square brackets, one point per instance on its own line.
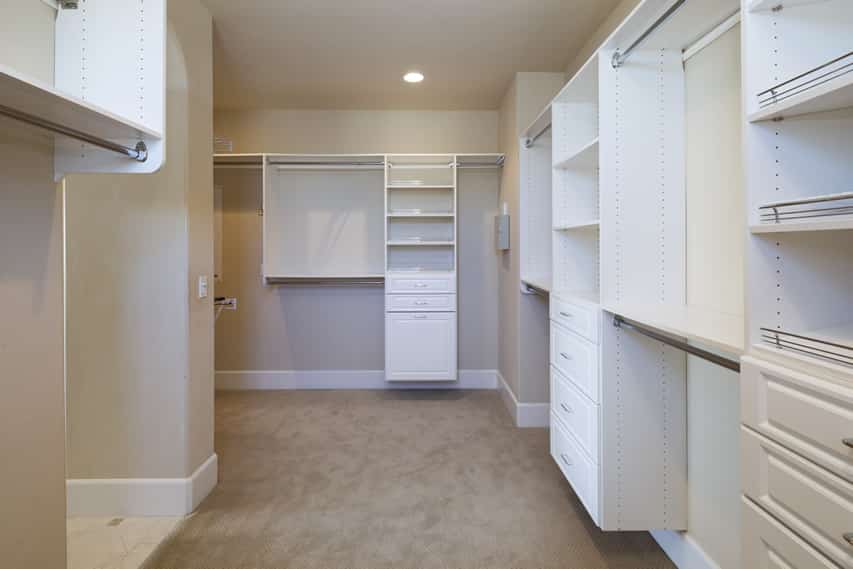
[420, 346]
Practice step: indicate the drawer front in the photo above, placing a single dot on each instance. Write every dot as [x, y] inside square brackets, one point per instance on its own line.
[813, 502]
[413, 303]
[422, 284]
[581, 473]
[811, 416]
[577, 359]
[767, 544]
[577, 412]
[420, 346]
[579, 319]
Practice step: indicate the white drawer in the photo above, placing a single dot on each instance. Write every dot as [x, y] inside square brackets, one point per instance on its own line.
[767, 544]
[810, 416]
[811, 501]
[413, 303]
[575, 358]
[581, 473]
[577, 412]
[580, 319]
[420, 283]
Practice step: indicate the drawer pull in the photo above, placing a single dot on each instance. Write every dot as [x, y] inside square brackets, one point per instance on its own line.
[420, 316]
[421, 285]
[566, 408]
[566, 356]
[848, 537]
[421, 303]
[566, 314]
[848, 442]
[566, 459]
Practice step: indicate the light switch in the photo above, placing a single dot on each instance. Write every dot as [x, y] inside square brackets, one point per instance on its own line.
[202, 286]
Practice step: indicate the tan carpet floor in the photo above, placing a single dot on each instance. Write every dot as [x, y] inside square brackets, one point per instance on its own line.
[389, 479]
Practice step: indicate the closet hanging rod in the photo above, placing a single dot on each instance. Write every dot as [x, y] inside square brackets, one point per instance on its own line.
[139, 153]
[816, 199]
[622, 322]
[327, 163]
[802, 75]
[527, 288]
[330, 281]
[532, 140]
[619, 57]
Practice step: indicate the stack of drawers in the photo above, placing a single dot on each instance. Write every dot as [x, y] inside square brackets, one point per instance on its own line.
[796, 468]
[575, 396]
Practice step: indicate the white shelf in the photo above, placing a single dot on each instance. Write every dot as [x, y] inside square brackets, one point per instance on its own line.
[542, 283]
[423, 272]
[715, 329]
[768, 5]
[420, 187]
[584, 158]
[579, 225]
[840, 223]
[832, 95]
[588, 297]
[421, 243]
[421, 215]
[27, 95]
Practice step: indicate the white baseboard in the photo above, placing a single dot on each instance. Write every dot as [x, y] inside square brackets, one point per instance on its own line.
[524, 415]
[139, 497]
[344, 379]
[683, 550]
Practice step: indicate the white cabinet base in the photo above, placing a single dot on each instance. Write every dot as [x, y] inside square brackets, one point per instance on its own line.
[420, 346]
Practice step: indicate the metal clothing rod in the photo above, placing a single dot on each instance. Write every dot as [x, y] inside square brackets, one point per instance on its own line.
[621, 322]
[817, 199]
[331, 281]
[619, 57]
[530, 289]
[532, 140]
[283, 163]
[801, 75]
[139, 153]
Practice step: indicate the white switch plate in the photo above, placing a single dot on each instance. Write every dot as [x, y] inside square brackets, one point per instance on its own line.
[202, 286]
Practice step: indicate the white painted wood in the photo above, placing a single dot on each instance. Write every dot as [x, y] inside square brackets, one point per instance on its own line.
[129, 497]
[112, 54]
[578, 413]
[812, 501]
[683, 550]
[420, 282]
[578, 316]
[577, 467]
[424, 303]
[768, 543]
[577, 359]
[524, 415]
[807, 414]
[272, 380]
[420, 346]
[535, 212]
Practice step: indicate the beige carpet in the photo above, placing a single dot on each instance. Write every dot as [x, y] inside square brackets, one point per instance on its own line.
[402, 480]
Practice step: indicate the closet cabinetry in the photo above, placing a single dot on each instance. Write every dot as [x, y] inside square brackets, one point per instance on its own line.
[797, 382]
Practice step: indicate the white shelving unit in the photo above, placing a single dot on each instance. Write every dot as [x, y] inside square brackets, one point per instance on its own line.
[106, 107]
[535, 202]
[420, 265]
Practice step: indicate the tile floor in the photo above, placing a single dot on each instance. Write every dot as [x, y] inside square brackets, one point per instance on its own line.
[115, 543]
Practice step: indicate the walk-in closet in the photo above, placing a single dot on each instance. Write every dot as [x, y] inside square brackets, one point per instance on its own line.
[557, 284]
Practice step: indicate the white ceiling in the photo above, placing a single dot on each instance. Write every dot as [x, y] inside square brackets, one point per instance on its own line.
[352, 54]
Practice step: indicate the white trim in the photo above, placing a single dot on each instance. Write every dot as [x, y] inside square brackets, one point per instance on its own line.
[683, 550]
[524, 415]
[711, 36]
[129, 497]
[344, 379]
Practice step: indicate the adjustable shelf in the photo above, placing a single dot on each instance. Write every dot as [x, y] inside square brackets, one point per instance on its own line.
[586, 158]
[833, 344]
[421, 243]
[579, 225]
[419, 187]
[817, 213]
[436, 215]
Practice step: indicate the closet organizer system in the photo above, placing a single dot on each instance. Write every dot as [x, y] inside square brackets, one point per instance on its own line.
[648, 204]
[105, 110]
[363, 220]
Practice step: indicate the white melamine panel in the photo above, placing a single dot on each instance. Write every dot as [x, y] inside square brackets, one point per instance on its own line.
[809, 415]
[577, 359]
[578, 316]
[642, 180]
[111, 54]
[769, 544]
[578, 413]
[577, 467]
[421, 201]
[808, 499]
[414, 303]
[323, 223]
[420, 346]
[413, 230]
[576, 262]
[421, 282]
[421, 171]
[535, 213]
[643, 433]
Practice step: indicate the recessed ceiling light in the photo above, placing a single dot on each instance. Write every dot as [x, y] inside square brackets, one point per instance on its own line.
[413, 77]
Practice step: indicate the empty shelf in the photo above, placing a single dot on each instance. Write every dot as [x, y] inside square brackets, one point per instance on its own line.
[420, 187]
[579, 225]
[585, 157]
[713, 328]
[806, 225]
[815, 213]
[421, 243]
[833, 344]
[22, 94]
[423, 214]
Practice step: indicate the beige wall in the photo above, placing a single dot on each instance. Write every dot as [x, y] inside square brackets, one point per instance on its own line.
[32, 428]
[523, 336]
[139, 342]
[309, 328]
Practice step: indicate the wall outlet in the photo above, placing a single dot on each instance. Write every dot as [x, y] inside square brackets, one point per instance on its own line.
[202, 286]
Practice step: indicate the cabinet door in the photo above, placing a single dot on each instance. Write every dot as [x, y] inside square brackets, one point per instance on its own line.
[420, 346]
